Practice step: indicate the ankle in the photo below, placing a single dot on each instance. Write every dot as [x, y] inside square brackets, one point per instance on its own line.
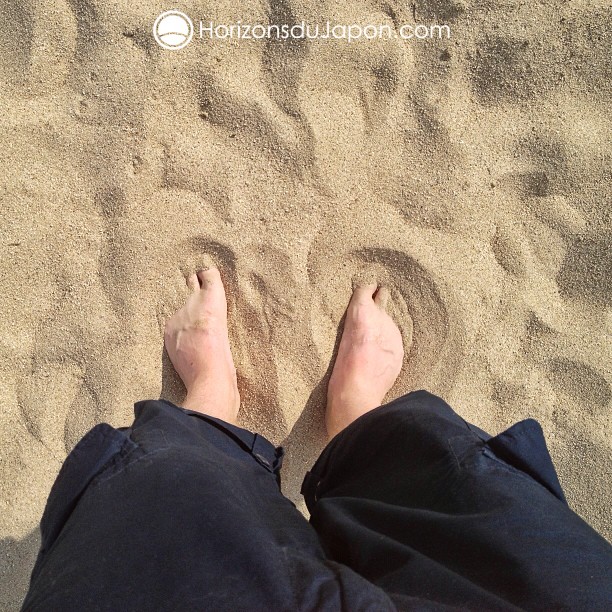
[222, 405]
[344, 408]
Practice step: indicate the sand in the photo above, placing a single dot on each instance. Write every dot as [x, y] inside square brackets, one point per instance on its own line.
[470, 175]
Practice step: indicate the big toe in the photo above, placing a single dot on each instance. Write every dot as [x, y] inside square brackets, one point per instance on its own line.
[209, 277]
[363, 294]
[213, 292]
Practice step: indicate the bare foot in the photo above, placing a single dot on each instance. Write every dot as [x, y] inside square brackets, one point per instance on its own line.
[369, 359]
[198, 345]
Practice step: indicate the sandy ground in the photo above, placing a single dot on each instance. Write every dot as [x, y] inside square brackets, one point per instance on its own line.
[472, 176]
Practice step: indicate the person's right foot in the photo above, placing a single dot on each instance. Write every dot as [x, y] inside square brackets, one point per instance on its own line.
[369, 359]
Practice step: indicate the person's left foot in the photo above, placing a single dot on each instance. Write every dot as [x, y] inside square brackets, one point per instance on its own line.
[197, 342]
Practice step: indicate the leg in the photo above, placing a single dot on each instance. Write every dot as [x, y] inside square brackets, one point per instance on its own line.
[182, 511]
[429, 507]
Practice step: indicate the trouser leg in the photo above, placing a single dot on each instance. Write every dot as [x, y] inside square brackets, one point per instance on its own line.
[426, 506]
[182, 512]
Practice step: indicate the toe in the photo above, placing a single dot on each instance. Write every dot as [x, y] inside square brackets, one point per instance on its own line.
[382, 297]
[364, 293]
[209, 276]
[192, 282]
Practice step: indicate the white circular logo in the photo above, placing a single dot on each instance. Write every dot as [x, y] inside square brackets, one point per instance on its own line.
[173, 30]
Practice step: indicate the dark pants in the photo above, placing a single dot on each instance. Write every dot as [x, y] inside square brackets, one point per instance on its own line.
[411, 508]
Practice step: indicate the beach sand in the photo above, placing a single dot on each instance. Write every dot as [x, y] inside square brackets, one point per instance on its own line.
[471, 176]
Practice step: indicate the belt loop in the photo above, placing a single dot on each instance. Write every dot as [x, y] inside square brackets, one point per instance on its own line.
[264, 453]
[310, 488]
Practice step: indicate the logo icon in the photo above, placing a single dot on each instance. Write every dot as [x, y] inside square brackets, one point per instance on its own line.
[173, 30]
